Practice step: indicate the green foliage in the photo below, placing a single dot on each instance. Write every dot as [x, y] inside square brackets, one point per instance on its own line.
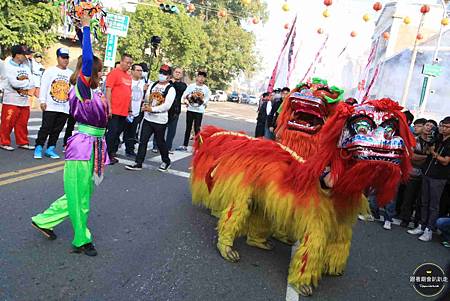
[219, 45]
[27, 22]
[237, 9]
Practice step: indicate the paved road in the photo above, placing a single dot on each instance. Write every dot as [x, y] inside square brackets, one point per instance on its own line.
[154, 245]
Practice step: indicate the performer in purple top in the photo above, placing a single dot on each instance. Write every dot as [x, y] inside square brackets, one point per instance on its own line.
[85, 153]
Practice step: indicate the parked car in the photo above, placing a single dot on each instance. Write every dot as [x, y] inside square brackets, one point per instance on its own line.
[253, 100]
[244, 98]
[219, 96]
[234, 97]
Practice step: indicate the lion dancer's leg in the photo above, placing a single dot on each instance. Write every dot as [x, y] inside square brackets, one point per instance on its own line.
[232, 222]
[338, 249]
[259, 231]
[307, 263]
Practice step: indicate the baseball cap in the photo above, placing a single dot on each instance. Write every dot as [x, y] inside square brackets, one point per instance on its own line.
[202, 73]
[165, 69]
[20, 49]
[62, 52]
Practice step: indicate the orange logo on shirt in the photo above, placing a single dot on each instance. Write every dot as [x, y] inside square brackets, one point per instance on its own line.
[59, 90]
[157, 98]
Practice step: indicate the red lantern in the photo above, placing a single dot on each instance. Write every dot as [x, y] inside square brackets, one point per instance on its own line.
[386, 35]
[327, 2]
[377, 6]
[353, 34]
[286, 26]
[222, 13]
[419, 36]
[425, 9]
[191, 8]
[255, 20]
[320, 31]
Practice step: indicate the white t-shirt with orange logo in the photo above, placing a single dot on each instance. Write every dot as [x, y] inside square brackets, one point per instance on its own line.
[55, 86]
[18, 80]
[159, 104]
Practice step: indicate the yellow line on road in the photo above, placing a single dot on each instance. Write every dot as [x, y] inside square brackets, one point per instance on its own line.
[27, 170]
[30, 176]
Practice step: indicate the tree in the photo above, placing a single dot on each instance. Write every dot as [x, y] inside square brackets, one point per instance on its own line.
[27, 22]
[219, 45]
[238, 10]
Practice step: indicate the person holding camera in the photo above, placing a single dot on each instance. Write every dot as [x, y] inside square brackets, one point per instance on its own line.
[159, 100]
[196, 98]
[436, 173]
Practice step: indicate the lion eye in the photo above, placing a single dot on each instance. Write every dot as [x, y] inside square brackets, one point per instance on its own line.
[362, 127]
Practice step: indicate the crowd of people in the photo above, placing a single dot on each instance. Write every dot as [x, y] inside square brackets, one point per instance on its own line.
[138, 108]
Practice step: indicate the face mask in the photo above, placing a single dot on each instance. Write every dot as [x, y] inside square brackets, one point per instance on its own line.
[162, 77]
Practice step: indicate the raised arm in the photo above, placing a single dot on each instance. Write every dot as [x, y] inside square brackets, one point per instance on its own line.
[84, 78]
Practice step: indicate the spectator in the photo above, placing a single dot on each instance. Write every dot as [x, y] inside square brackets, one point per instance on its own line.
[409, 119]
[16, 109]
[160, 99]
[273, 116]
[118, 95]
[37, 69]
[262, 115]
[54, 101]
[435, 176]
[275, 98]
[443, 224]
[175, 110]
[418, 126]
[411, 194]
[138, 87]
[196, 98]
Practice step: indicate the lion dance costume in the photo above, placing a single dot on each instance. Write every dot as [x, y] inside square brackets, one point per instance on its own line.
[258, 184]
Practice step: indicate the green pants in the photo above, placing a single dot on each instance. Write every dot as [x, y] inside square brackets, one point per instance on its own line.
[78, 188]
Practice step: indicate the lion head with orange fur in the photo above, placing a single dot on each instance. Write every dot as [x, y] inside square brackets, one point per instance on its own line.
[304, 113]
[365, 146]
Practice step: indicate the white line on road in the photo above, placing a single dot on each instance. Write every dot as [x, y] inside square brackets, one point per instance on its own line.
[34, 136]
[151, 167]
[177, 155]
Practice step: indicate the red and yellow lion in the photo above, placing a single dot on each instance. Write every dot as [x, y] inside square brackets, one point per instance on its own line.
[258, 184]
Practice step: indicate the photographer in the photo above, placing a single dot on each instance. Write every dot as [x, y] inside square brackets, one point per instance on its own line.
[436, 172]
[196, 98]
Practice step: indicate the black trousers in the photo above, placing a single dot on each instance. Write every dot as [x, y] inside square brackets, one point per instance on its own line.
[431, 196]
[52, 125]
[116, 126]
[69, 129]
[130, 133]
[192, 118]
[411, 199]
[147, 130]
[260, 127]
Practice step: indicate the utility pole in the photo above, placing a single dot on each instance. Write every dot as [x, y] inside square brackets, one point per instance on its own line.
[411, 66]
[434, 61]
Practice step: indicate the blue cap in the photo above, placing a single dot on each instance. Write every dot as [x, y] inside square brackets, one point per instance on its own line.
[62, 52]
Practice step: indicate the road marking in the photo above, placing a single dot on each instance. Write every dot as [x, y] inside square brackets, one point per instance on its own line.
[32, 175]
[35, 120]
[151, 167]
[34, 136]
[177, 155]
[30, 169]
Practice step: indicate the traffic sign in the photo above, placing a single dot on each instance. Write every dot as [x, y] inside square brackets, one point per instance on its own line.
[424, 90]
[117, 24]
[111, 49]
[432, 70]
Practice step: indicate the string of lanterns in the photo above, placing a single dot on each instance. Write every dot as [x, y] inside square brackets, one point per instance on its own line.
[377, 7]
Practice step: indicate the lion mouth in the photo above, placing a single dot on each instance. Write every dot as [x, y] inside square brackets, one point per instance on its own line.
[309, 114]
[363, 153]
[306, 122]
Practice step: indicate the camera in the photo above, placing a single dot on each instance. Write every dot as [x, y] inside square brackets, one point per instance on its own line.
[155, 41]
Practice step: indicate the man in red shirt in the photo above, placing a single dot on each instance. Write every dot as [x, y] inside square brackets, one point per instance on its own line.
[118, 95]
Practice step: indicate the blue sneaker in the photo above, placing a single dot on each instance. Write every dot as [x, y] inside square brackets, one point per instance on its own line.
[50, 152]
[38, 152]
